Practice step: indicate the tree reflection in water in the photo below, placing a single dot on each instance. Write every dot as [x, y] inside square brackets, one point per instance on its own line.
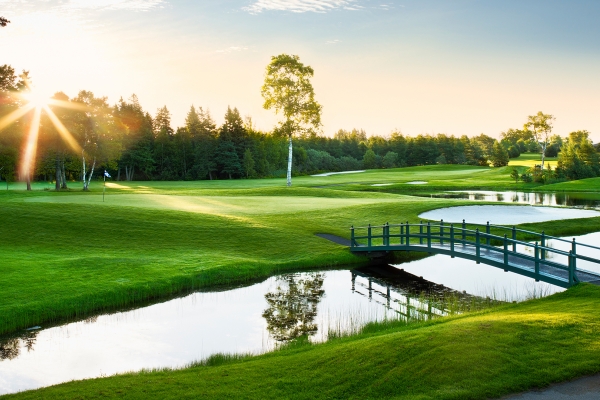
[11, 348]
[293, 306]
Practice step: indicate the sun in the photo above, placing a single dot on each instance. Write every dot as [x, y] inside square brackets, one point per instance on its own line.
[36, 102]
[36, 98]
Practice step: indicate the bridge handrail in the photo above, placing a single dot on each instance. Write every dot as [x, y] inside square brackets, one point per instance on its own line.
[462, 235]
[483, 235]
[499, 250]
[491, 226]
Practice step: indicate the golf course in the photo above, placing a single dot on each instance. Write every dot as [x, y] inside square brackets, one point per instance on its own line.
[70, 255]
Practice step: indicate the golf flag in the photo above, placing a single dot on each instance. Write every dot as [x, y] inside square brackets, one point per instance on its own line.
[106, 174]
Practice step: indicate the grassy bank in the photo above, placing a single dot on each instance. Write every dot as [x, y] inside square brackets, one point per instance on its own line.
[475, 356]
[66, 255]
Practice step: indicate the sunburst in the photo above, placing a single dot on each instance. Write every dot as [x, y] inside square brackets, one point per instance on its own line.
[37, 102]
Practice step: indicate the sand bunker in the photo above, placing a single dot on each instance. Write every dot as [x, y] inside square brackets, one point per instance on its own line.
[416, 183]
[382, 184]
[506, 215]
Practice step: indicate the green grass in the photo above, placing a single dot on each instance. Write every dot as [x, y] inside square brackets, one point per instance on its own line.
[581, 185]
[475, 356]
[68, 254]
[531, 159]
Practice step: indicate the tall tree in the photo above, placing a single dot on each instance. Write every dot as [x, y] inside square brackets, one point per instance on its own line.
[540, 126]
[138, 141]
[163, 149]
[288, 90]
[499, 156]
[98, 134]
[4, 22]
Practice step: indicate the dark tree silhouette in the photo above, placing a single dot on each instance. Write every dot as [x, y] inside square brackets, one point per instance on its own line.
[4, 21]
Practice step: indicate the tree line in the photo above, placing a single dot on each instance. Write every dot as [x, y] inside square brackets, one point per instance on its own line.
[132, 144]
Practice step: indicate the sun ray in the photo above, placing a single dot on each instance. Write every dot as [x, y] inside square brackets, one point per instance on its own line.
[15, 115]
[31, 145]
[68, 104]
[64, 132]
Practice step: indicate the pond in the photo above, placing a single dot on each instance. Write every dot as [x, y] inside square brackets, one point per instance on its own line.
[568, 199]
[505, 215]
[252, 319]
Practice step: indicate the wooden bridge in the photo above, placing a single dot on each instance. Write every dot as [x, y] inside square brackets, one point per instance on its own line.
[493, 245]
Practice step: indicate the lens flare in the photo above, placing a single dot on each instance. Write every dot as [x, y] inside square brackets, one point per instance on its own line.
[62, 130]
[35, 98]
[15, 115]
[28, 163]
[38, 102]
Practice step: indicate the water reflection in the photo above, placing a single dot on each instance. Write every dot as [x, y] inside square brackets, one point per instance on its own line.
[293, 306]
[11, 348]
[568, 199]
[413, 298]
[251, 319]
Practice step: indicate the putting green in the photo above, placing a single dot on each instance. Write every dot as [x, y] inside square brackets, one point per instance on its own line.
[216, 205]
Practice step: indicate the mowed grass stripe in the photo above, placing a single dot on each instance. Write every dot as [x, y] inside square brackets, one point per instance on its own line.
[215, 205]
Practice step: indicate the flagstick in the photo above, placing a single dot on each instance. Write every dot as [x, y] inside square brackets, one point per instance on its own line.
[104, 188]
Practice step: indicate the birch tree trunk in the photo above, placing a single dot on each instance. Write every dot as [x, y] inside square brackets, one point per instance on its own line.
[84, 172]
[87, 185]
[289, 168]
[544, 154]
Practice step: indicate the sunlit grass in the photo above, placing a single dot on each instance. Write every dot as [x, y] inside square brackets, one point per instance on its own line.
[532, 159]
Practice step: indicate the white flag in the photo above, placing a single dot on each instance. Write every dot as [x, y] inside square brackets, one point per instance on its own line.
[106, 174]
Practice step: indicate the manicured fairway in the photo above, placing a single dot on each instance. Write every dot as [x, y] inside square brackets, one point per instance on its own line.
[226, 206]
[68, 255]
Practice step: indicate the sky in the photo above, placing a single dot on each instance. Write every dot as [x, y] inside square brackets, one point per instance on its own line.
[419, 67]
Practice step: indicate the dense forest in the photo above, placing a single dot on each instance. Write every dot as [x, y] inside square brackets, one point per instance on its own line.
[131, 144]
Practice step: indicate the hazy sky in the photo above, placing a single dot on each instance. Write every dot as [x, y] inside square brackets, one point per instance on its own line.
[455, 67]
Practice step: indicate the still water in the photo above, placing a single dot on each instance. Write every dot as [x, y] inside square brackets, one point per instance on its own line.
[251, 319]
[568, 199]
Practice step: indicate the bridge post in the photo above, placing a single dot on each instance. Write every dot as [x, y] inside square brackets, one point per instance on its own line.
[401, 233]
[537, 262]
[505, 250]
[352, 236]
[441, 232]
[571, 267]
[407, 234]
[421, 233]
[514, 238]
[543, 243]
[452, 240]
[464, 232]
[574, 251]
[353, 281]
[487, 231]
[369, 236]
[428, 234]
[386, 234]
[477, 246]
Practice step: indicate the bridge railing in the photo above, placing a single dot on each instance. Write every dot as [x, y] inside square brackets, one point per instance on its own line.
[461, 238]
